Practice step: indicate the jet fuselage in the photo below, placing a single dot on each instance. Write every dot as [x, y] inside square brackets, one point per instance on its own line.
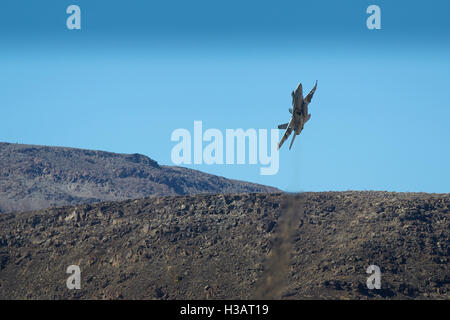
[299, 112]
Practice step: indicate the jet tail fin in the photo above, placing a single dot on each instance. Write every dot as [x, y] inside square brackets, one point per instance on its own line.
[283, 126]
[293, 138]
[285, 136]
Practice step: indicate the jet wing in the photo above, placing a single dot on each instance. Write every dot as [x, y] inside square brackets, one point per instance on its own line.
[286, 135]
[310, 95]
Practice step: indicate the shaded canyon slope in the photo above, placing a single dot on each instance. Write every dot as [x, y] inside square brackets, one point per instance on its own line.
[37, 177]
[235, 246]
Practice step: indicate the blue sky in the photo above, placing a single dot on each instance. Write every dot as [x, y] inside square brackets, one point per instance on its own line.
[137, 70]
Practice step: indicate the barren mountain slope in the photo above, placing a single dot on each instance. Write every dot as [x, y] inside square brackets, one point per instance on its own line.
[38, 177]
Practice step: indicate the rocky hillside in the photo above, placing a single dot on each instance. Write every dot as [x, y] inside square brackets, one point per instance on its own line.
[37, 177]
[311, 245]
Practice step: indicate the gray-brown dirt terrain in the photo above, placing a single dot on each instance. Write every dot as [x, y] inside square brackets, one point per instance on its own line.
[235, 246]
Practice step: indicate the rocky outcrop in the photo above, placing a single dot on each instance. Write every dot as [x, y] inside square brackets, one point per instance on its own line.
[235, 246]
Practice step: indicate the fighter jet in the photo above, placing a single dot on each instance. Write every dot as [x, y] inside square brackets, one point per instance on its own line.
[299, 113]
